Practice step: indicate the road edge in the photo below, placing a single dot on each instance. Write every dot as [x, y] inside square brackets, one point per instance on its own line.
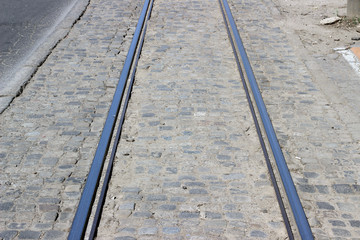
[23, 73]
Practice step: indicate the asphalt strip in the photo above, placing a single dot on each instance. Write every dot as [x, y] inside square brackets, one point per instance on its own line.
[24, 70]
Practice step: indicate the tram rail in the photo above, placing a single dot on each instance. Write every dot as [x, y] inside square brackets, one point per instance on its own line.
[83, 212]
[291, 193]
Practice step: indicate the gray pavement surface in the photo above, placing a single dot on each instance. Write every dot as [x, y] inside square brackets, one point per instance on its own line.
[28, 31]
[188, 165]
[22, 24]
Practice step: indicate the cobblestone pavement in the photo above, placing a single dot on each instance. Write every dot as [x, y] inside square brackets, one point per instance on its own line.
[190, 165]
[313, 105]
[49, 134]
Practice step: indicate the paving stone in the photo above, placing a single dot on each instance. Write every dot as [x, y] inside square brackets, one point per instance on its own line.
[341, 232]
[213, 215]
[167, 207]
[157, 198]
[258, 234]
[127, 206]
[50, 200]
[53, 234]
[127, 230]
[355, 223]
[189, 215]
[50, 216]
[43, 226]
[171, 230]
[48, 207]
[337, 223]
[172, 170]
[125, 238]
[198, 191]
[191, 178]
[233, 176]
[343, 188]
[178, 199]
[347, 207]
[347, 216]
[18, 226]
[307, 188]
[8, 235]
[234, 215]
[325, 205]
[148, 231]
[6, 206]
[322, 189]
[29, 235]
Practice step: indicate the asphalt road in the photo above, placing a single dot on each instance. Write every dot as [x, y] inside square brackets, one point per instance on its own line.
[24, 25]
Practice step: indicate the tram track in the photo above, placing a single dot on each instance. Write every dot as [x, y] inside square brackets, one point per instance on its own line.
[88, 195]
[82, 215]
[291, 193]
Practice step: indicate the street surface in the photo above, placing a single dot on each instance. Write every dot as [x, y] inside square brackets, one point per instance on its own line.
[46, 148]
[24, 25]
[188, 165]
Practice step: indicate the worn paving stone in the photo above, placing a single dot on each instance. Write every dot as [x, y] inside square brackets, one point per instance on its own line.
[29, 234]
[8, 235]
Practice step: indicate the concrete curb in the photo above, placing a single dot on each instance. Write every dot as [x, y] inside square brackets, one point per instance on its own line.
[22, 74]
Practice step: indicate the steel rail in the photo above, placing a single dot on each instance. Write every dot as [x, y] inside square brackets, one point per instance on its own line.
[81, 218]
[107, 178]
[258, 130]
[293, 198]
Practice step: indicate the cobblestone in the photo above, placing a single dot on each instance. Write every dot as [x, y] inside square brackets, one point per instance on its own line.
[312, 108]
[8, 235]
[54, 235]
[193, 153]
[189, 165]
[29, 235]
[49, 133]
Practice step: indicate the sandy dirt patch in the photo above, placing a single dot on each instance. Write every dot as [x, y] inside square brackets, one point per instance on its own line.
[303, 18]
